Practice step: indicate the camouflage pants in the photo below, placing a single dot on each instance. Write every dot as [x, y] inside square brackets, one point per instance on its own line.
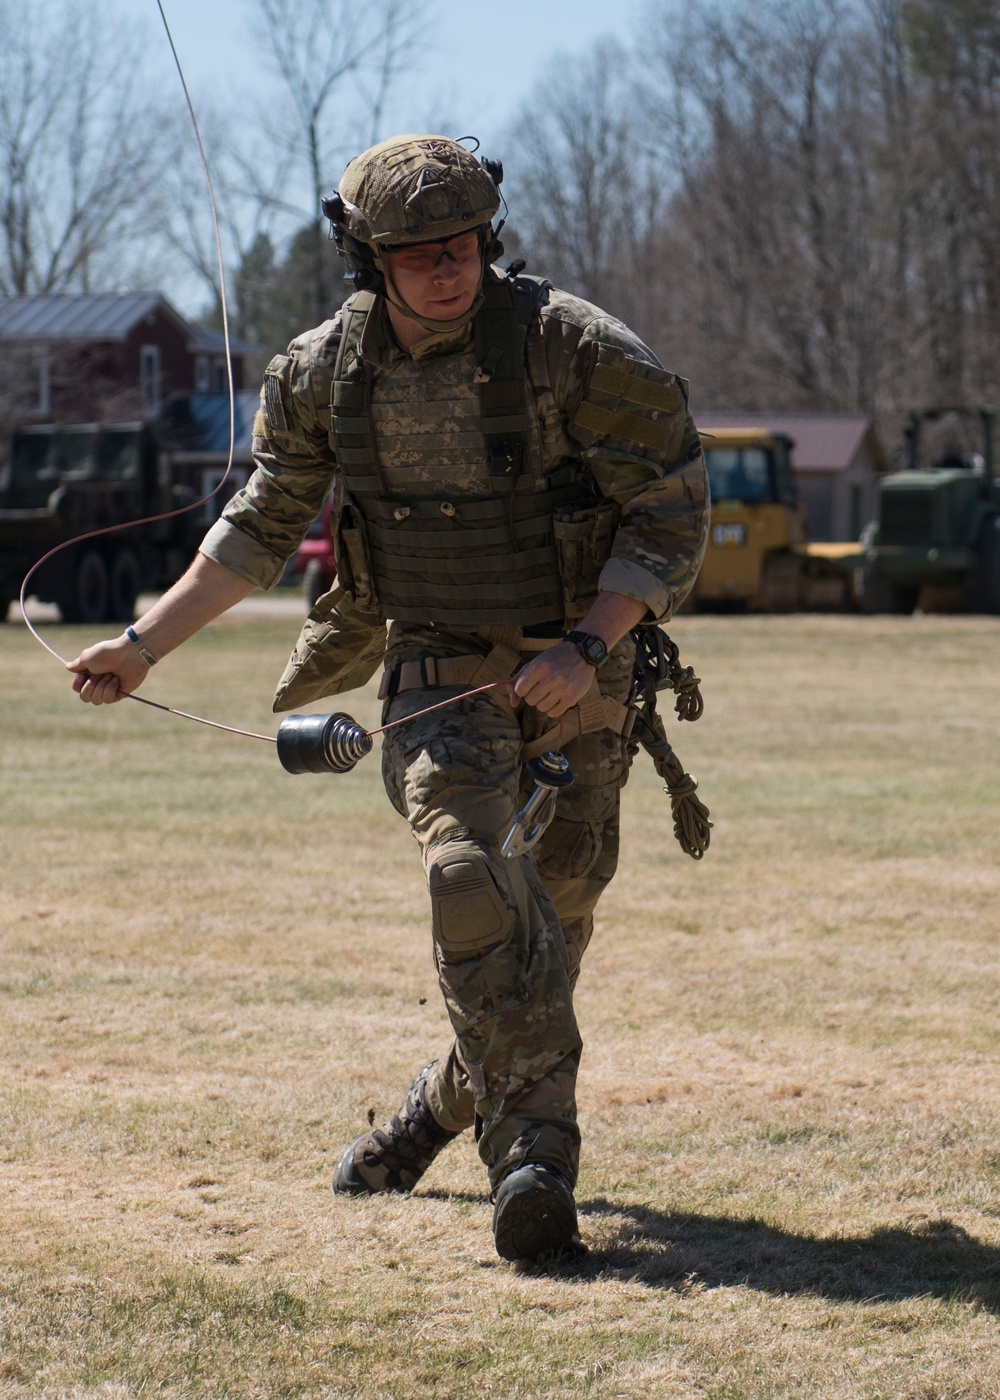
[508, 934]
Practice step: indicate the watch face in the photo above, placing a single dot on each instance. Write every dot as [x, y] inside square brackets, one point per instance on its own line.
[591, 648]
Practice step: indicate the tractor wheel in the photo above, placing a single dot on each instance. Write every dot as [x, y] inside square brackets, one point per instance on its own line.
[783, 583]
[126, 580]
[983, 586]
[878, 595]
[88, 591]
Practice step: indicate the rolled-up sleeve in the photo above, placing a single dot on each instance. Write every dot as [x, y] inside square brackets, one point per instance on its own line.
[630, 418]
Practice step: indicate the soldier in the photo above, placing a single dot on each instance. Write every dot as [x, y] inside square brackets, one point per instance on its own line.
[519, 484]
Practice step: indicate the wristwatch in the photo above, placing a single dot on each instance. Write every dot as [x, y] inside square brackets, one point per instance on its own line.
[591, 648]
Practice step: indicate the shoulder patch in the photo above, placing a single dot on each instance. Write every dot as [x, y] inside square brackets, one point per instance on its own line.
[274, 404]
[630, 400]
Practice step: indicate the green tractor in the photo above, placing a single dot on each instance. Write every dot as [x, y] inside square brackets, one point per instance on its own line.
[936, 531]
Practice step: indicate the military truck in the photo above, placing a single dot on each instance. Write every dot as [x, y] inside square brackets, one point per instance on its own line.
[935, 539]
[64, 480]
[759, 556]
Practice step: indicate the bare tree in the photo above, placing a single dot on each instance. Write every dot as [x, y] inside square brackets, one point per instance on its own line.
[247, 198]
[80, 148]
[954, 53]
[795, 212]
[585, 187]
[326, 52]
[797, 201]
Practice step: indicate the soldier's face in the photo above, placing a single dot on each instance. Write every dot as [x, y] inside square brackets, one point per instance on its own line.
[438, 280]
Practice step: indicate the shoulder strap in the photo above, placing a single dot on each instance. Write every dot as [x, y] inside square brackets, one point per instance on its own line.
[350, 403]
[500, 331]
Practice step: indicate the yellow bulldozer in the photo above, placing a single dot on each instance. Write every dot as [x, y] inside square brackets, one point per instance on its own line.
[759, 557]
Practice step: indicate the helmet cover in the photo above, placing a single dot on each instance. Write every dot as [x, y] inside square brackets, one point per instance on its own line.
[414, 189]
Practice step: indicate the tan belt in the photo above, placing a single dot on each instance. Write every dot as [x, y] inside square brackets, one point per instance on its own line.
[499, 664]
[514, 637]
[594, 712]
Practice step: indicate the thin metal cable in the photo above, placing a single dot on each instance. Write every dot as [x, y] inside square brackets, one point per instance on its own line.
[442, 704]
[195, 505]
[212, 724]
[168, 515]
[249, 733]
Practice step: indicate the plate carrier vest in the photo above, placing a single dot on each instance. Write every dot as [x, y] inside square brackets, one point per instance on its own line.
[484, 559]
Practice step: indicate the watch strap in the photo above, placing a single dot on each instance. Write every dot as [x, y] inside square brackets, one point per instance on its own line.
[589, 642]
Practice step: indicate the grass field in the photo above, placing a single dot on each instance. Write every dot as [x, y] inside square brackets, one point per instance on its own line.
[212, 973]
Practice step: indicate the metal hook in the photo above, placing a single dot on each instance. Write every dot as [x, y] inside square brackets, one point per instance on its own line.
[552, 773]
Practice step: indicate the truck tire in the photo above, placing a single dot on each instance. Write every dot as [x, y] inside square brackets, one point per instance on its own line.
[982, 592]
[126, 580]
[314, 583]
[88, 591]
[878, 595]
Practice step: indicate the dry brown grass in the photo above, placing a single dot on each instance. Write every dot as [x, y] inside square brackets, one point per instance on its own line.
[211, 971]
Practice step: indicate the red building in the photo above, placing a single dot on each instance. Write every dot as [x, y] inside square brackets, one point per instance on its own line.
[67, 359]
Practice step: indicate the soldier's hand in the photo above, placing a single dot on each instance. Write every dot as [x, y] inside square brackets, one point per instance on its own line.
[554, 682]
[107, 671]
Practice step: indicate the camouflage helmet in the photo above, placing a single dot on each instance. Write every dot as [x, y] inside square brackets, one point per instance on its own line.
[411, 189]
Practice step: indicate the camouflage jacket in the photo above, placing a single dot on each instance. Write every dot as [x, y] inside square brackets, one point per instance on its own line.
[662, 492]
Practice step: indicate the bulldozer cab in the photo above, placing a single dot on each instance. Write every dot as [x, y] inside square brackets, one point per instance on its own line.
[752, 468]
[757, 522]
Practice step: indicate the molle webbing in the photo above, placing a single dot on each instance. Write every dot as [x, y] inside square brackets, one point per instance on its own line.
[351, 424]
[617, 387]
[454, 560]
[436, 554]
[500, 332]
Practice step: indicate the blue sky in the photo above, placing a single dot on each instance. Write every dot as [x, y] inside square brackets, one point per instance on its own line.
[473, 76]
[481, 59]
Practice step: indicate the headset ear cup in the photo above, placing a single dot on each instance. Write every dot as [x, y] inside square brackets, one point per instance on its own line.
[361, 266]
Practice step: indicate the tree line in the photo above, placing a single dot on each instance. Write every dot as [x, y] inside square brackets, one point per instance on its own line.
[796, 204]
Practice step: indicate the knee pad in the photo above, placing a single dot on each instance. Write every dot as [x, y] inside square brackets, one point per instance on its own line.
[469, 912]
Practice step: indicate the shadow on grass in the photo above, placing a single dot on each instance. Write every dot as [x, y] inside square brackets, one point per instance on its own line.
[677, 1251]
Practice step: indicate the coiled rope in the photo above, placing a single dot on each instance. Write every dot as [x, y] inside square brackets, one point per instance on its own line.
[657, 666]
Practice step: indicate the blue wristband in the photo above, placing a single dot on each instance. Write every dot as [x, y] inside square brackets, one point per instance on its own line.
[133, 637]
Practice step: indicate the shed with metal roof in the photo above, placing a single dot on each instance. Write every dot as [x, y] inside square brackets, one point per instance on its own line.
[836, 458]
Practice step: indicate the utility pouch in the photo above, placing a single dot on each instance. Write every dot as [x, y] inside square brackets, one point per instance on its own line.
[340, 647]
[351, 549]
[583, 540]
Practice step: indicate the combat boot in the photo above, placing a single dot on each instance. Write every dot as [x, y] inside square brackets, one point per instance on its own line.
[534, 1214]
[395, 1156]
